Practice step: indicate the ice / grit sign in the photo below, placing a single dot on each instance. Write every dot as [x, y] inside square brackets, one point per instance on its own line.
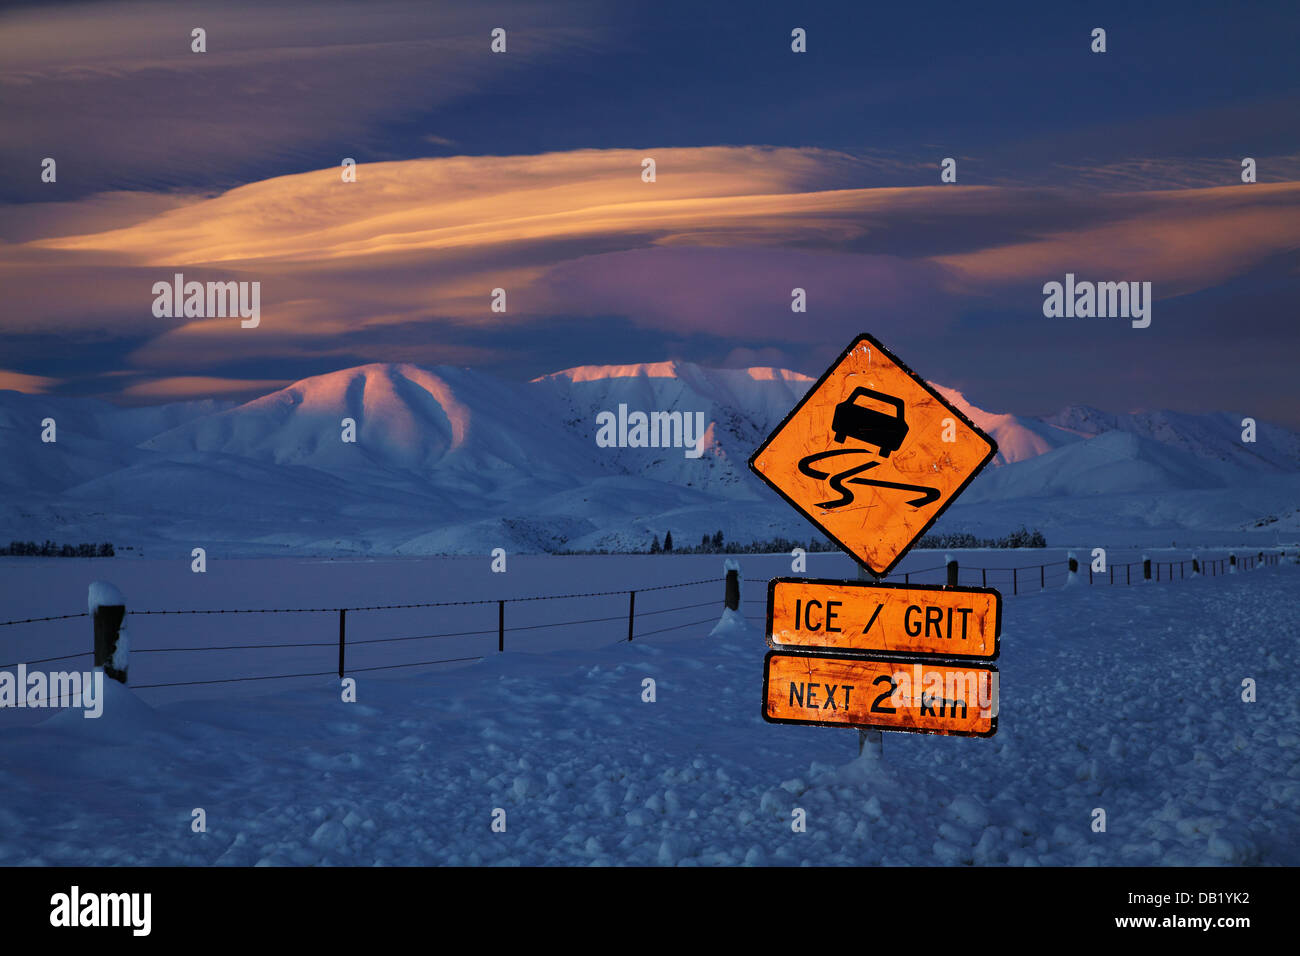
[812, 614]
[872, 455]
[910, 696]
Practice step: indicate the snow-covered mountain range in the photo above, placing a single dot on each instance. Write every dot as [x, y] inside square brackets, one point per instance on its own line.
[453, 460]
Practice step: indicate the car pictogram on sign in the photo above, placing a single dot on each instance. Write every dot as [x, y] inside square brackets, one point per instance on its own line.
[868, 425]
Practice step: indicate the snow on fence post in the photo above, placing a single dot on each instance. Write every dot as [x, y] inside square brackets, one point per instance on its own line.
[732, 620]
[951, 562]
[1072, 574]
[731, 596]
[112, 644]
[871, 743]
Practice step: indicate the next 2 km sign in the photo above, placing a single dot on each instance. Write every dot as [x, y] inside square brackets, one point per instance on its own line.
[906, 620]
[920, 697]
[872, 455]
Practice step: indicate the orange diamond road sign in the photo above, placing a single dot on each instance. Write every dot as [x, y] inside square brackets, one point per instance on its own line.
[872, 455]
[809, 614]
[906, 696]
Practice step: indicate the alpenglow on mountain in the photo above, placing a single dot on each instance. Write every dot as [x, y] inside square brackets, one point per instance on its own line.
[452, 460]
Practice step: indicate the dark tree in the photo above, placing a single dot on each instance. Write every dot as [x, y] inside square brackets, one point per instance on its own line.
[668, 541]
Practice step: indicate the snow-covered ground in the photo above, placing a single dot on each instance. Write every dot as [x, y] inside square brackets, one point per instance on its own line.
[1124, 699]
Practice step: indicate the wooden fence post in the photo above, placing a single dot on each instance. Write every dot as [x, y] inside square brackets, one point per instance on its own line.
[107, 619]
[631, 612]
[731, 595]
[343, 630]
[501, 626]
[952, 572]
[1146, 569]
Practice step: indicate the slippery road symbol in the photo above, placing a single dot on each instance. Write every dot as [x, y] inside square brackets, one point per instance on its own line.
[885, 430]
[842, 455]
[837, 479]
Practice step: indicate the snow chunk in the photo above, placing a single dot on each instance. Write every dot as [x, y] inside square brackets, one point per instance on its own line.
[103, 594]
[122, 650]
[731, 622]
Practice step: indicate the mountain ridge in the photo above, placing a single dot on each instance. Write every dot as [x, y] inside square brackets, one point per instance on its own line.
[453, 458]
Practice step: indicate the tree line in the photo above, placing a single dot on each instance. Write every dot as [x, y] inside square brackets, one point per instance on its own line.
[49, 549]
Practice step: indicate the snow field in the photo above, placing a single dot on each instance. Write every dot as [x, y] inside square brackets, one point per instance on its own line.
[1127, 700]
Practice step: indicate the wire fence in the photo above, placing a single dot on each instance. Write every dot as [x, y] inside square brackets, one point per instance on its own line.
[1018, 579]
[631, 616]
[1031, 578]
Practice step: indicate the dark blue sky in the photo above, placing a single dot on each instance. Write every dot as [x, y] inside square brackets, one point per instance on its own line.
[1064, 136]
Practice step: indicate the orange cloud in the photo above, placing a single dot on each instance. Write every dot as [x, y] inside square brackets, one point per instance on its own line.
[22, 382]
[183, 387]
[1182, 240]
[353, 269]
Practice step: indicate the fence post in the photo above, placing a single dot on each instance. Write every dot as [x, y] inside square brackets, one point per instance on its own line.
[1015, 583]
[108, 610]
[1042, 577]
[731, 596]
[1146, 569]
[501, 626]
[1112, 574]
[952, 572]
[1128, 573]
[1232, 563]
[343, 629]
[631, 612]
[1196, 566]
